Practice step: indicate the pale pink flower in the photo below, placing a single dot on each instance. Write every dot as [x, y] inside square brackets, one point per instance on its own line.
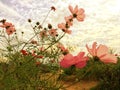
[9, 27]
[102, 52]
[64, 28]
[77, 13]
[53, 32]
[10, 30]
[69, 20]
[43, 33]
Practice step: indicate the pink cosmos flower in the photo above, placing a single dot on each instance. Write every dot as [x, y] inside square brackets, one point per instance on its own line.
[10, 30]
[64, 28]
[6, 25]
[69, 20]
[79, 61]
[77, 13]
[53, 32]
[9, 27]
[43, 33]
[102, 53]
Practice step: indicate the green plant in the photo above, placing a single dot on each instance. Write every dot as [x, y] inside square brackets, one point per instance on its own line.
[31, 64]
[34, 64]
[42, 62]
[109, 79]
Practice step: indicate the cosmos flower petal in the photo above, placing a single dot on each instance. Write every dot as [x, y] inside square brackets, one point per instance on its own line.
[109, 58]
[89, 50]
[102, 50]
[75, 9]
[67, 61]
[81, 64]
[81, 17]
[70, 8]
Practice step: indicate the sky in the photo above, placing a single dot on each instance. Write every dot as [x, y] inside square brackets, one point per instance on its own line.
[101, 23]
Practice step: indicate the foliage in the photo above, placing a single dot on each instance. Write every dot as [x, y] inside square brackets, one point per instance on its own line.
[109, 78]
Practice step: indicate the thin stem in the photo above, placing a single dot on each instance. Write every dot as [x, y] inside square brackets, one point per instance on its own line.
[51, 45]
[36, 33]
[55, 42]
[46, 17]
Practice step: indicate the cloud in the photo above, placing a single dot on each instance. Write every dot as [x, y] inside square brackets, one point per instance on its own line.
[26, 3]
[8, 11]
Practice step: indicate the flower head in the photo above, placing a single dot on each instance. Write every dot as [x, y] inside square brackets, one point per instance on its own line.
[9, 27]
[69, 60]
[77, 13]
[64, 28]
[69, 20]
[102, 53]
[53, 32]
[43, 33]
[81, 60]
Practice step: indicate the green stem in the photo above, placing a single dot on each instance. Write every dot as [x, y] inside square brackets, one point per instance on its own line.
[55, 42]
[36, 33]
